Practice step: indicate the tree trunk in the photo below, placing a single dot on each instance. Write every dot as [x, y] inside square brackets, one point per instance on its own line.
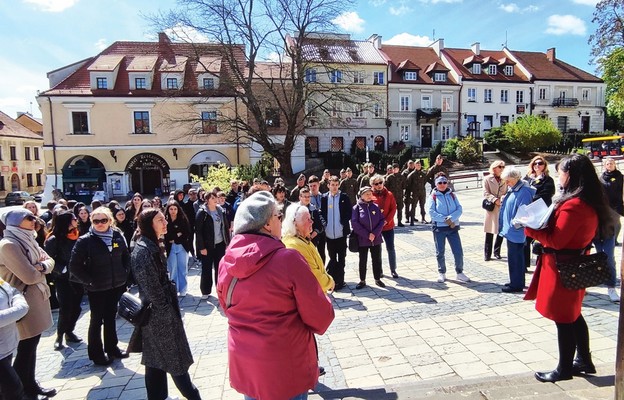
[285, 165]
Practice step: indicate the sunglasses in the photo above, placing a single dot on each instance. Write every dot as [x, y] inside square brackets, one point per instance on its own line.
[30, 217]
[377, 183]
[100, 221]
[538, 163]
[500, 166]
[441, 183]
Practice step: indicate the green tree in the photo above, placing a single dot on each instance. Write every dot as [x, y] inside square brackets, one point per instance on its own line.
[467, 151]
[530, 132]
[609, 34]
[218, 176]
[612, 67]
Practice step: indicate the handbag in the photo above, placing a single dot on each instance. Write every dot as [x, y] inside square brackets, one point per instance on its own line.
[354, 244]
[133, 310]
[488, 205]
[583, 271]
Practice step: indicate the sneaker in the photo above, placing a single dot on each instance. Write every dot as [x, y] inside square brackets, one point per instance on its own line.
[613, 295]
[441, 278]
[182, 293]
[205, 297]
[462, 277]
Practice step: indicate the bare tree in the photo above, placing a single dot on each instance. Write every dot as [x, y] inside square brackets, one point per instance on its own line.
[609, 34]
[269, 80]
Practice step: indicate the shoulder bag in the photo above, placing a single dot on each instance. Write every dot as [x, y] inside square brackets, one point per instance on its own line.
[580, 271]
[133, 310]
[354, 244]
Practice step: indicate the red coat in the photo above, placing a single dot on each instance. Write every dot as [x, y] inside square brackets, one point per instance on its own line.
[387, 204]
[276, 307]
[573, 226]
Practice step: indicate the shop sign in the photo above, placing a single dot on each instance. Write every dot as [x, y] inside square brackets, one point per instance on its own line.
[144, 160]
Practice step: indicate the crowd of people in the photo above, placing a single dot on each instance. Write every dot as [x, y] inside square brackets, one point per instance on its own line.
[256, 243]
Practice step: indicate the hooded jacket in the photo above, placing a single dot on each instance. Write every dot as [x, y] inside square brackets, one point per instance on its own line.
[274, 305]
[441, 205]
[386, 202]
[367, 218]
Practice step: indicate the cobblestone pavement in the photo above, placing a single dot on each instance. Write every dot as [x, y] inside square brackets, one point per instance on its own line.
[412, 332]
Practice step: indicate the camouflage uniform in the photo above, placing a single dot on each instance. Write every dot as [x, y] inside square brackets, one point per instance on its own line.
[395, 183]
[350, 187]
[416, 181]
[407, 196]
[433, 171]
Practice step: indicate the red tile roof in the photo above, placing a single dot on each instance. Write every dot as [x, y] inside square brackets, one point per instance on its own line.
[458, 58]
[11, 128]
[423, 56]
[543, 69]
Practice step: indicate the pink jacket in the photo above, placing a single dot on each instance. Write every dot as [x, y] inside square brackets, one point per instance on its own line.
[275, 307]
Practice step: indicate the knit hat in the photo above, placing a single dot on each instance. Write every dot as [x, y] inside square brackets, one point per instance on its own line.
[15, 217]
[364, 189]
[254, 212]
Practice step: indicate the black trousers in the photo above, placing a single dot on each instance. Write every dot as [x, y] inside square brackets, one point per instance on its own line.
[489, 238]
[337, 253]
[25, 363]
[527, 252]
[210, 262]
[157, 388]
[571, 337]
[319, 243]
[10, 384]
[103, 312]
[376, 256]
[69, 296]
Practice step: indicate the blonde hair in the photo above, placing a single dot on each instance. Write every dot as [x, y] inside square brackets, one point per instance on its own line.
[530, 170]
[102, 210]
[496, 164]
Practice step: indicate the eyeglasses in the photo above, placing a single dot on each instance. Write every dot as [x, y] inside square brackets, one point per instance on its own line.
[377, 183]
[538, 162]
[100, 221]
[441, 183]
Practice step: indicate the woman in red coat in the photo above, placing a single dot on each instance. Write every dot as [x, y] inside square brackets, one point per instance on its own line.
[581, 213]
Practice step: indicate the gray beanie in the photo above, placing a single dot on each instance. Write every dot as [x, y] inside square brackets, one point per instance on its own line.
[15, 217]
[254, 212]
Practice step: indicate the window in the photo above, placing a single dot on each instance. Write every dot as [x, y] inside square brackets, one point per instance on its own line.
[1, 157]
[337, 144]
[311, 108]
[504, 96]
[562, 123]
[80, 121]
[101, 83]
[519, 96]
[472, 94]
[509, 70]
[140, 83]
[562, 94]
[312, 143]
[358, 77]
[476, 69]
[336, 76]
[404, 133]
[586, 94]
[492, 69]
[209, 122]
[447, 103]
[29, 180]
[272, 116]
[504, 119]
[310, 75]
[410, 76]
[336, 110]
[27, 153]
[378, 78]
[141, 122]
[487, 95]
[439, 77]
[172, 83]
[36, 153]
[378, 110]
[487, 122]
[2, 187]
[446, 132]
[39, 181]
[405, 103]
[425, 101]
[208, 83]
[358, 110]
[543, 94]
[13, 151]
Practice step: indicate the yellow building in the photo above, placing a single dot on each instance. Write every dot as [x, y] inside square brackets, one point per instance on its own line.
[21, 158]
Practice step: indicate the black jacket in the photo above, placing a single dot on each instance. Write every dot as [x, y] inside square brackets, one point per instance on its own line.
[60, 251]
[344, 207]
[180, 233]
[544, 188]
[613, 183]
[204, 229]
[97, 268]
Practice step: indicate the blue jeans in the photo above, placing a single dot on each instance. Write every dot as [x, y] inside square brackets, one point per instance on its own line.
[607, 246]
[515, 263]
[440, 235]
[388, 237]
[302, 396]
[177, 263]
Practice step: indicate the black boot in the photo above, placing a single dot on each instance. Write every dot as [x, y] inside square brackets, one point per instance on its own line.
[567, 344]
[581, 366]
[583, 361]
[553, 376]
[497, 247]
[58, 343]
[487, 248]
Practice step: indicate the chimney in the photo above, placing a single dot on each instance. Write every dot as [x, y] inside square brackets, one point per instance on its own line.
[476, 48]
[375, 39]
[163, 38]
[550, 54]
[438, 46]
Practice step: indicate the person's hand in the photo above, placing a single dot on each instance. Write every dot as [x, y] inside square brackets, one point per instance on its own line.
[497, 202]
[40, 268]
[371, 237]
[331, 288]
[314, 234]
[203, 252]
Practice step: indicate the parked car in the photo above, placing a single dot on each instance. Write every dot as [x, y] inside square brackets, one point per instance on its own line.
[17, 198]
[101, 196]
[38, 196]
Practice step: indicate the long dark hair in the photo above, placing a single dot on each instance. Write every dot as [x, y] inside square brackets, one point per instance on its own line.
[186, 225]
[62, 222]
[145, 223]
[583, 182]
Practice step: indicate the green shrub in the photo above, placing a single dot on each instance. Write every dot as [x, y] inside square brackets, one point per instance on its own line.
[218, 175]
[530, 132]
[468, 150]
[450, 148]
[433, 153]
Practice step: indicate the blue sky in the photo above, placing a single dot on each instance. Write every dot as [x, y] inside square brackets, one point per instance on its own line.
[39, 36]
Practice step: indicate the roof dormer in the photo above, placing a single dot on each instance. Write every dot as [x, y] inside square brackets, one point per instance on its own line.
[103, 72]
[437, 72]
[208, 70]
[172, 73]
[141, 72]
[408, 70]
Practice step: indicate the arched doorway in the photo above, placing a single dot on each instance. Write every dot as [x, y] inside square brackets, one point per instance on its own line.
[380, 143]
[82, 176]
[15, 183]
[147, 172]
[200, 162]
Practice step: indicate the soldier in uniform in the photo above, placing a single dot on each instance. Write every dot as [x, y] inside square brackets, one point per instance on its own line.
[437, 167]
[395, 183]
[416, 181]
[366, 178]
[350, 186]
[407, 196]
[324, 183]
[294, 194]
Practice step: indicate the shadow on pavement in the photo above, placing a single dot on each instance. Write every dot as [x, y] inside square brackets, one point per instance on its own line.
[372, 394]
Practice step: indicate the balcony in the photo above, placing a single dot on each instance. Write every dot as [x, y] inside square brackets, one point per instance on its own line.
[428, 113]
[565, 102]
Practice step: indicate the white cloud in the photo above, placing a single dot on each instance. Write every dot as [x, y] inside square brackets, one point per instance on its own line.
[513, 8]
[350, 21]
[401, 10]
[51, 5]
[566, 24]
[273, 56]
[441, 1]
[377, 3]
[101, 44]
[18, 88]
[587, 2]
[407, 39]
[181, 33]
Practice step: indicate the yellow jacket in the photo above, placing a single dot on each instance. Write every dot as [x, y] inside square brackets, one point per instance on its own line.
[312, 256]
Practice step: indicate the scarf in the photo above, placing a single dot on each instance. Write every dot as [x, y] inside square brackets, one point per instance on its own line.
[106, 237]
[73, 234]
[26, 239]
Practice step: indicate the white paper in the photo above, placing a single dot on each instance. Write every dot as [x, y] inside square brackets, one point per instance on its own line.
[534, 215]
